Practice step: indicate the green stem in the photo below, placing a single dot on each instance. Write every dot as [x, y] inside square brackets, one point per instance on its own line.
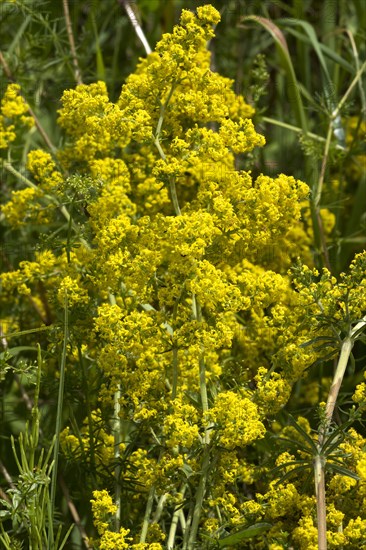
[35, 412]
[117, 442]
[187, 526]
[337, 381]
[175, 519]
[296, 129]
[319, 187]
[197, 312]
[58, 421]
[349, 90]
[172, 187]
[163, 109]
[18, 175]
[201, 490]
[200, 495]
[149, 505]
[88, 409]
[175, 372]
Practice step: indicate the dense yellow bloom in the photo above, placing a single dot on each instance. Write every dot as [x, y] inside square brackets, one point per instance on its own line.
[102, 507]
[273, 391]
[306, 534]
[13, 112]
[282, 500]
[180, 427]
[355, 531]
[23, 208]
[42, 166]
[71, 292]
[236, 419]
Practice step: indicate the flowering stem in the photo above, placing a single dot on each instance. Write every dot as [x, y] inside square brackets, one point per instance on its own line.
[337, 381]
[18, 175]
[84, 376]
[319, 462]
[197, 312]
[174, 197]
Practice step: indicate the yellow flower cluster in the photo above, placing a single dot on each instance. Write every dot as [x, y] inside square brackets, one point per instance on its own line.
[24, 208]
[103, 509]
[236, 419]
[33, 204]
[43, 168]
[13, 112]
[181, 427]
[70, 292]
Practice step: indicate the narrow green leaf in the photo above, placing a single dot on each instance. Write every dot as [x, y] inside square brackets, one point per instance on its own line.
[293, 86]
[309, 30]
[248, 533]
[344, 471]
[302, 432]
[16, 350]
[293, 472]
[297, 444]
[328, 52]
[18, 35]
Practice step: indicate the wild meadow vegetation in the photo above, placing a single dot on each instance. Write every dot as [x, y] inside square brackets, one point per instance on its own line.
[183, 275]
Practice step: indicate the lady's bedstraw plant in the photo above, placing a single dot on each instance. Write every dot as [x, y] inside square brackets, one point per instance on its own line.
[188, 339]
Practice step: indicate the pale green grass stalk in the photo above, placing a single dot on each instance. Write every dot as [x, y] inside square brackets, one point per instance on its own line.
[117, 435]
[58, 420]
[201, 490]
[177, 515]
[148, 510]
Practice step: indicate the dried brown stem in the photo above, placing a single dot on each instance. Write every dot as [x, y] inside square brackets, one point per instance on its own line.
[70, 35]
[75, 514]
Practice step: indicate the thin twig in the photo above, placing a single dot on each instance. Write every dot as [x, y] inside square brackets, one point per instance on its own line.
[136, 25]
[72, 42]
[27, 400]
[6, 475]
[75, 514]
